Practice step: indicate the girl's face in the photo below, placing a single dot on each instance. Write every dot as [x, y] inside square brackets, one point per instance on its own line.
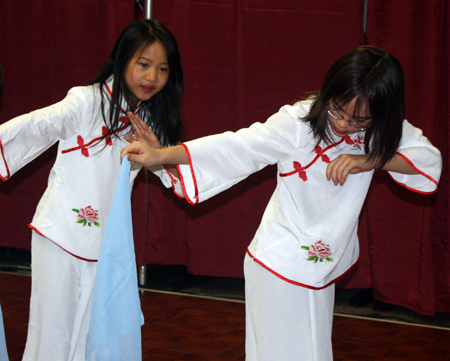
[147, 72]
[344, 121]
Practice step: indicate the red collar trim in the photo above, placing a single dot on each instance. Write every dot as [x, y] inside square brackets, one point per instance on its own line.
[108, 89]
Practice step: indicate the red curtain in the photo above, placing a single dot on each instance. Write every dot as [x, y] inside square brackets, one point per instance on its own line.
[408, 233]
[47, 47]
[243, 60]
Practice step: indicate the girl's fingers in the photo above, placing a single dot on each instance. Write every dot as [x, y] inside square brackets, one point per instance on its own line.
[134, 158]
[137, 122]
[332, 170]
[129, 139]
[345, 172]
[338, 169]
[144, 133]
[133, 148]
[139, 153]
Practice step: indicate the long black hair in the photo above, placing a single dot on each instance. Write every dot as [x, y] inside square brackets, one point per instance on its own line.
[373, 77]
[162, 111]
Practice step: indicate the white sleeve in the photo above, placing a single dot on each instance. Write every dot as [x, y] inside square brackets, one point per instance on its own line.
[25, 137]
[220, 161]
[169, 180]
[426, 159]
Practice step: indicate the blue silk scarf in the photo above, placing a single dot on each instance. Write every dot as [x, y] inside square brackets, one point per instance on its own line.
[116, 317]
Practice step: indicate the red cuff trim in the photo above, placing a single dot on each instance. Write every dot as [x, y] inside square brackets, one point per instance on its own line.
[8, 175]
[174, 181]
[178, 195]
[74, 255]
[420, 172]
[195, 201]
[295, 282]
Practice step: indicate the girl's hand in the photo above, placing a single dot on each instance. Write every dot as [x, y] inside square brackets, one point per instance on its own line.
[346, 164]
[140, 153]
[144, 133]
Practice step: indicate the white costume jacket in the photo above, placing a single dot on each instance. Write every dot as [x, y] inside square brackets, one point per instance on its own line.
[308, 233]
[73, 210]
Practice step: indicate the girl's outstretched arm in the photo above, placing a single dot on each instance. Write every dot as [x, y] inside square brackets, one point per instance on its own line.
[338, 169]
[138, 152]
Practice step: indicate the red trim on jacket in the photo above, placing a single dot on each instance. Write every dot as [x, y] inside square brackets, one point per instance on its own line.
[417, 170]
[294, 282]
[74, 255]
[174, 181]
[193, 177]
[123, 111]
[81, 146]
[8, 175]
[105, 131]
[319, 154]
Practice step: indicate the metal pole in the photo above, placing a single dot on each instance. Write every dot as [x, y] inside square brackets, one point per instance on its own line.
[366, 7]
[142, 270]
[148, 9]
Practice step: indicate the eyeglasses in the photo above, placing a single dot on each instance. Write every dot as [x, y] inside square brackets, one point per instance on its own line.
[336, 115]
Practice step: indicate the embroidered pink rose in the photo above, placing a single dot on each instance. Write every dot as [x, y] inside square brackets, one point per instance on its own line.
[318, 252]
[132, 133]
[359, 143]
[87, 216]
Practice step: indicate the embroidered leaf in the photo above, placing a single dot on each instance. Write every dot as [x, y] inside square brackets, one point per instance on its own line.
[325, 158]
[297, 166]
[80, 140]
[301, 173]
[76, 210]
[348, 140]
[97, 224]
[305, 247]
[329, 259]
[85, 152]
[108, 137]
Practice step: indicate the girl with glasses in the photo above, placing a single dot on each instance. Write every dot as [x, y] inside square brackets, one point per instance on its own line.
[326, 148]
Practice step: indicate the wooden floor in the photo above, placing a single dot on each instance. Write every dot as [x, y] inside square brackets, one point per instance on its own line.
[190, 328]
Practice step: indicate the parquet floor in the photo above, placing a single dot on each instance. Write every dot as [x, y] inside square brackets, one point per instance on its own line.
[190, 328]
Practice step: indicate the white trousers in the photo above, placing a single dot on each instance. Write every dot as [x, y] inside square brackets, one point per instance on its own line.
[285, 322]
[60, 303]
